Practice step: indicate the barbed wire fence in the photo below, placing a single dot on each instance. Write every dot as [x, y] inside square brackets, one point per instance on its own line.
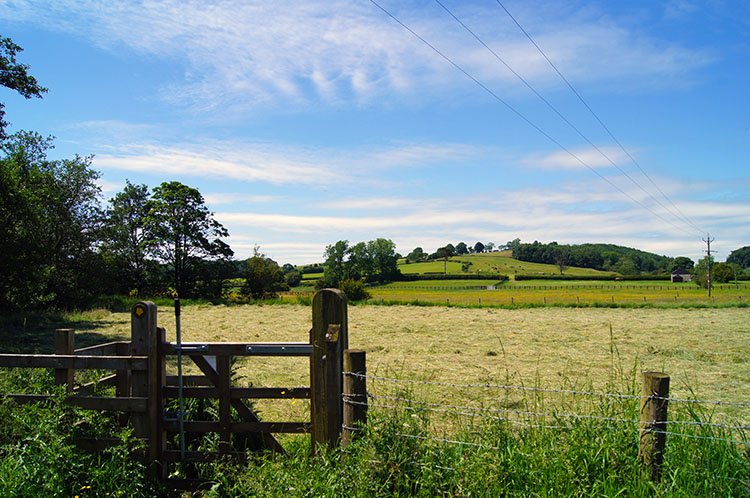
[699, 426]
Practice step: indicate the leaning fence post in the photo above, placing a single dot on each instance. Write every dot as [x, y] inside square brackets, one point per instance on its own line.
[355, 394]
[653, 435]
[329, 338]
[65, 344]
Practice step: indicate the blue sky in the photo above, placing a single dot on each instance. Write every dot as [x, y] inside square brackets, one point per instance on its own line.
[303, 123]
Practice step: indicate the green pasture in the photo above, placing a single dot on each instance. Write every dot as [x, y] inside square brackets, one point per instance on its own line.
[431, 267]
[552, 293]
[312, 276]
[494, 262]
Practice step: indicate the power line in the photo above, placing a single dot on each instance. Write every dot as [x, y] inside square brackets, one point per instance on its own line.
[520, 115]
[566, 120]
[604, 126]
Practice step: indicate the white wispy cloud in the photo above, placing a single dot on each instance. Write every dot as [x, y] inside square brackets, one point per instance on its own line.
[242, 54]
[275, 163]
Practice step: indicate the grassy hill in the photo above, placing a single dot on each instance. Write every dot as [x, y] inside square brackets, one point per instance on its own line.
[494, 262]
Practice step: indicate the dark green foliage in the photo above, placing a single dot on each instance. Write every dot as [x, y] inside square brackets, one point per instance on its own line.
[263, 277]
[38, 456]
[417, 255]
[740, 257]
[681, 262]
[354, 289]
[608, 257]
[49, 213]
[293, 278]
[720, 273]
[180, 229]
[372, 261]
[15, 76]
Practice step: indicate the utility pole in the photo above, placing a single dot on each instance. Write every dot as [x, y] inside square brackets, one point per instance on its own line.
[708, 241]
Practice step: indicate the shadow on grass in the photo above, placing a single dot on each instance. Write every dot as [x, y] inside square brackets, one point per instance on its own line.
[34, 332]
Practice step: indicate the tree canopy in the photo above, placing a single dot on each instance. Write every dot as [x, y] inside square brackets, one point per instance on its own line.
[181, 228]
[740, 257]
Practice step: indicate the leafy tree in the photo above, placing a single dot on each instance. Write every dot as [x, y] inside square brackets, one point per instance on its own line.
[355, 290]
[336, 263]
[489, 246]
[461, 248]
[384, 258]
[360, 262]
[49, 214]
[125, 242]
[681, 262]
[720, 272]
[512, 244]
[740, 257]
[263, 277]
[181, 228]
[416, 255]
[15, 76]
[293, 278]
[478, 247]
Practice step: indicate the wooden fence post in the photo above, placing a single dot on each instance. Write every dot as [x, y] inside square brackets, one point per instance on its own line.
[329, 338]
[147, 384]
[355, 394]
[65, 344]
[653, 422]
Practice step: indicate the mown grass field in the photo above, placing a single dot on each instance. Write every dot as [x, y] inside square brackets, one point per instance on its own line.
[707, 351]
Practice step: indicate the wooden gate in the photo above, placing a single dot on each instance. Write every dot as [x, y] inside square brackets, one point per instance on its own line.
[143, 386]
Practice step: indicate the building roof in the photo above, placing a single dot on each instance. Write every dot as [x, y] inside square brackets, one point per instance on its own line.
[681, 271]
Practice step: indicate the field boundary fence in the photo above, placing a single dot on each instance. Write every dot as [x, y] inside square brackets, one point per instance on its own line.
[651, 428]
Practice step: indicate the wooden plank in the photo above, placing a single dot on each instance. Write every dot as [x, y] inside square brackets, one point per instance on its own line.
[109, 380]
[241, 392]
[106, 349]
[223, 369]
[65, 345]
[237, 348]
[202, 426]
[134, 405]
[73, 361]
[277, 427]
[241, 408]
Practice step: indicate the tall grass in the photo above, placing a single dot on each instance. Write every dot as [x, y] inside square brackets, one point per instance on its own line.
[38, 457]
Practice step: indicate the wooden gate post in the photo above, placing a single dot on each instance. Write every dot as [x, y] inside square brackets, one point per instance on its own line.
[653, 422]
[65, 344]
[329, 338]
[146, 338]
[355, 394]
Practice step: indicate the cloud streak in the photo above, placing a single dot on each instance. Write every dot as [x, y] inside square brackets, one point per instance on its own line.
[243, 54]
